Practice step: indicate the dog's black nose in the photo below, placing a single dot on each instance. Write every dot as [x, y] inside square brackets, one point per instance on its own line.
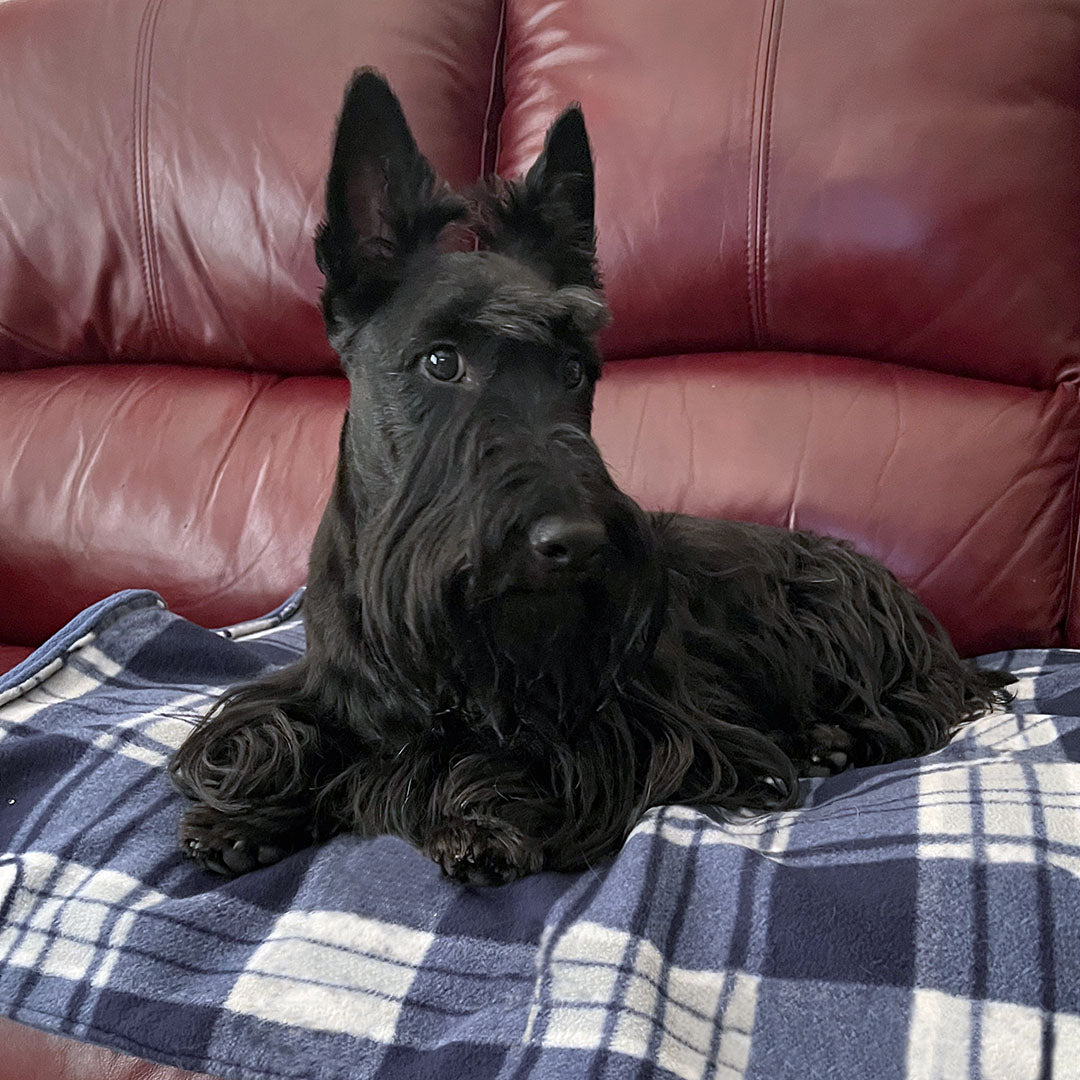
[566, 543]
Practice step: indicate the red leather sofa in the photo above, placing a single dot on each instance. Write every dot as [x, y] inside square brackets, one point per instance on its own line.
[841, 243]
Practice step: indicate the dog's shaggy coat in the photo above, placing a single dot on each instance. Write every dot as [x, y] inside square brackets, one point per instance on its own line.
[508, 660]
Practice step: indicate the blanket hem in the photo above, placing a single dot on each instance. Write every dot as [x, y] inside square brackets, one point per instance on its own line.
[48, 657]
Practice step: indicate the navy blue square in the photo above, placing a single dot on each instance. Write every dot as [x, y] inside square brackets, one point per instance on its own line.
[180, 1031]
[844, 923]
[1070, 744]
[457, 1061]
[1066, 704]
[185, 653]
[1059, 943]
[34, 768]
[830, 1032]
[512, 913]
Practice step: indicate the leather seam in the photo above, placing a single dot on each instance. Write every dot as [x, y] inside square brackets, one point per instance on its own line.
[772, 62]
[1071, 553]
[666, 352]
[148, 249]
[135, 175]
[752, 165]
[490, 138]
[162, 297]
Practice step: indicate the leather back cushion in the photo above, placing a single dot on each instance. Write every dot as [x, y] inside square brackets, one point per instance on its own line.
[162, 165]
[887, 180]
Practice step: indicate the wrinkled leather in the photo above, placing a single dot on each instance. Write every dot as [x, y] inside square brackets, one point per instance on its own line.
[204, 485]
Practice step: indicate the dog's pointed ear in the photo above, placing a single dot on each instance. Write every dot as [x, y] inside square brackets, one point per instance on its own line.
[548, 217]
[383, 199]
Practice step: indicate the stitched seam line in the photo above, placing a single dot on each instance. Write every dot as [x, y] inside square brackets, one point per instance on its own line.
[766, 150]
[140, 140]
[136, 177]
[162, 299]
[489, 143]
[753, 174]
[667, 351]
[1072, 555]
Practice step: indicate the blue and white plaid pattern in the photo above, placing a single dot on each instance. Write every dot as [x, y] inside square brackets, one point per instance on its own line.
[916, 920]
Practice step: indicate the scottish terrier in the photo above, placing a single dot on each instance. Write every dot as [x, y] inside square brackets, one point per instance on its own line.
[508, 661]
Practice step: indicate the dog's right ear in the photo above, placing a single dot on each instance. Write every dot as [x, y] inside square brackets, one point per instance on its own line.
[383, 201]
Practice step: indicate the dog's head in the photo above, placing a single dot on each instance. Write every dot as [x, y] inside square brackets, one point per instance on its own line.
[486, 522]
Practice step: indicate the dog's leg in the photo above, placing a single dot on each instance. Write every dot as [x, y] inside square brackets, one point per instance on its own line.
[252, 769]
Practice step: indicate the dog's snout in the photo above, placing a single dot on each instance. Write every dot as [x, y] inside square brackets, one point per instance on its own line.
[562, 542]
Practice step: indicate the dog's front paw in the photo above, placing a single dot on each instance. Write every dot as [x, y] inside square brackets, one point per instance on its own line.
[829, 750]
[483, 851]
[224, 845]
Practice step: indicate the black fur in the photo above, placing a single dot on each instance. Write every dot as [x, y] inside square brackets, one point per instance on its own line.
[508, 660]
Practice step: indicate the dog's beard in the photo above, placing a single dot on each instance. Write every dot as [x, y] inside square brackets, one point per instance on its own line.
[457, 618]
[541, 663]
[522, 663]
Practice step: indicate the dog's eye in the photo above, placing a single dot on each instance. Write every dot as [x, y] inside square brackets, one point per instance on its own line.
[443, 363]
[573, 373]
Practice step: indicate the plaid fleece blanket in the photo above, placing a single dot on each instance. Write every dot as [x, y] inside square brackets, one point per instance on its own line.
[916, 920]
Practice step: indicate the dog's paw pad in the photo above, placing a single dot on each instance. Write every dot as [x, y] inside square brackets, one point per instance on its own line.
[222, 847]
[483, 853]
[240, 856]
[828, 751]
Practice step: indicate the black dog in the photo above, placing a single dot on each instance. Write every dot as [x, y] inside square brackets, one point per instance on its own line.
[509, 661]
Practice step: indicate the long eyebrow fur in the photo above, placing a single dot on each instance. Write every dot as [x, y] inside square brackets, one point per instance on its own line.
[520, 312]
[524, 314]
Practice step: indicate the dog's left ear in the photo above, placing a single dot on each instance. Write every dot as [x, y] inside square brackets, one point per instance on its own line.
[547, 218]
[384, 201]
